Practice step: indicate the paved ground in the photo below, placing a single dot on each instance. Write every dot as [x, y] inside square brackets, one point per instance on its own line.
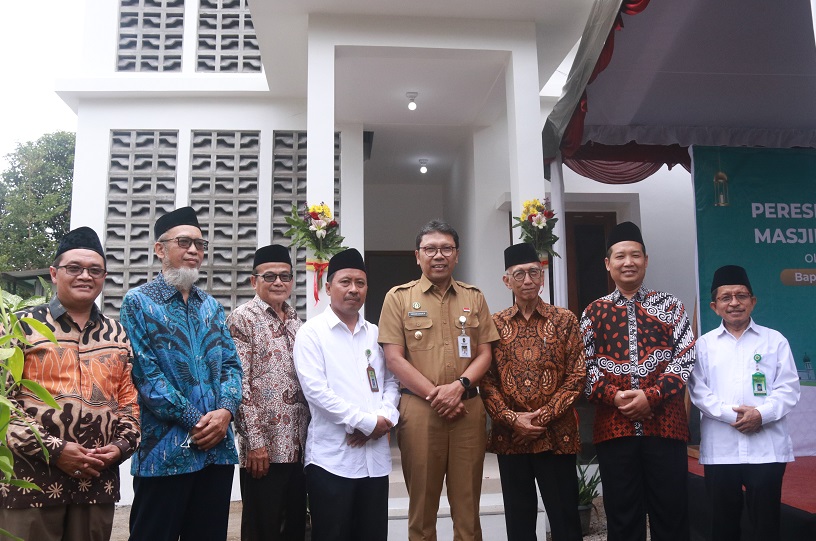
[492, 526]
[491, 508]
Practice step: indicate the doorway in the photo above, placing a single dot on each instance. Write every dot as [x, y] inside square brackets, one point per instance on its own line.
[386, 270]
[586, 234]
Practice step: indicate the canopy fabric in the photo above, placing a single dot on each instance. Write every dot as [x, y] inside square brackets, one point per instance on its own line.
[627, 163]
[601, 18]
[689, 73]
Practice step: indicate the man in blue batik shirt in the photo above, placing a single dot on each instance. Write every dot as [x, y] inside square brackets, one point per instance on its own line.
[188, 375]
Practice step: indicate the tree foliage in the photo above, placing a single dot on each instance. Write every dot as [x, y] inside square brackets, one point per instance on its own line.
[35, 201]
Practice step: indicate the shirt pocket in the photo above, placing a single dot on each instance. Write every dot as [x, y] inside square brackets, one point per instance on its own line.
[418, 333]
[471, 328]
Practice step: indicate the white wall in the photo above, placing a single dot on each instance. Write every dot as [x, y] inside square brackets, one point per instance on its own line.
[663, 206]
[488, 231]
[394, 213]
[97, 118]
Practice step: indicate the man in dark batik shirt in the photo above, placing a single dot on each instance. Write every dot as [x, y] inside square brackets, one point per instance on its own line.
[639, 354]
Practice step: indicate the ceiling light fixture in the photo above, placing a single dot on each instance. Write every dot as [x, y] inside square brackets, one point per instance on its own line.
[423, 166]
[411, 97]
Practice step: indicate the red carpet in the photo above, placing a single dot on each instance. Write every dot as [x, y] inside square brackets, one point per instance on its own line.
[797, 485]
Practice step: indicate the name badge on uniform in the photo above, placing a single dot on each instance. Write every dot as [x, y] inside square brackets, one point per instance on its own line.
[463, 340]
[464, 347]
[371, 374]
[758, 383]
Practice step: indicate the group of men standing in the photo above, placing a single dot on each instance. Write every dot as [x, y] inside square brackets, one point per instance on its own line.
[314, 403]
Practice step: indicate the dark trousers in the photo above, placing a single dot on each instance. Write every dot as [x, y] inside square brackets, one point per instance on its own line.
[347, 509]
[640, 476]
[274, 506]
[192, 506]
[763, 497]
[558, 484]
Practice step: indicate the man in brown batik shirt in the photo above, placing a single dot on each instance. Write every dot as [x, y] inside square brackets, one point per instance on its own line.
[529, 392]
[273, 414]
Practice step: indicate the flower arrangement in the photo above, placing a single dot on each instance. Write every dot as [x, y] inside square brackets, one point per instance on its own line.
[537, 221]
[316, 231]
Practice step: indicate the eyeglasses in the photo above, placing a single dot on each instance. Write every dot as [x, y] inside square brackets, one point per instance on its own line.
[741, 298]
[77, 270]
[534, 274]
[431, 251]
[185, 242]
[270, 277]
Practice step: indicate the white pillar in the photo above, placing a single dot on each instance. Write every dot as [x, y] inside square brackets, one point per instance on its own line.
[524, 134]
[524, 127]
[560, 291]
[320, 133]
[352, 200]
[352, 207]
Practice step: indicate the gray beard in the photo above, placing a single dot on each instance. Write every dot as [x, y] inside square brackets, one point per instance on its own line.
[182, 279]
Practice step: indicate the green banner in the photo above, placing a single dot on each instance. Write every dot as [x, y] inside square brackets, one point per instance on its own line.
[757, 208]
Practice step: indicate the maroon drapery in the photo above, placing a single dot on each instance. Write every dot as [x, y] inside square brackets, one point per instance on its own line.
[614, 164]
[625, 164]
[617, 172]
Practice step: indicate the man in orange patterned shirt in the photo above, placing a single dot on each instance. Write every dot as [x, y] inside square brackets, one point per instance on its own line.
[88, 373]
[529, 391]
[639, 355]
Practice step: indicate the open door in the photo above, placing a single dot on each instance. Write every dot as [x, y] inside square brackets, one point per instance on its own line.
[586, 250]
[386, 270]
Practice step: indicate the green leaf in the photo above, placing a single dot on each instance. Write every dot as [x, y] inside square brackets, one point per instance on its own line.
[16, 363]
[6, 462]
[40, 327]
[5, 353]
[5, 417]
[24, 484]
[6, 403]
[40, 391]
[4, 533]
[47, 291]
[6, 456]
[11, 301]
[32, 301]
[38, 437]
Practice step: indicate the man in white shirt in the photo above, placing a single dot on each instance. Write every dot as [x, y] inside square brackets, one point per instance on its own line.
[353, 400]
[745, 383]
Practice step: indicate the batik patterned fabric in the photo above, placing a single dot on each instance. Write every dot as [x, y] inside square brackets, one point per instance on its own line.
[273, 413]
[88, 373]
[538, 365]
[646, 343]
[184, 365]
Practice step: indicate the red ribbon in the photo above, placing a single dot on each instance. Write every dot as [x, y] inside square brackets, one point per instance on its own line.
[319, 267]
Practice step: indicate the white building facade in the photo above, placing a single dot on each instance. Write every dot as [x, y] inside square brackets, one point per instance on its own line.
[221, 105]
[211, 103]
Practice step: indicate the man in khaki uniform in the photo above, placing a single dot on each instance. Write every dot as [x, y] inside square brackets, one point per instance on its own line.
[436, 334]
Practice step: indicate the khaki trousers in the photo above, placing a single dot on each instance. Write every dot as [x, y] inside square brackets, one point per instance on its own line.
[90, 522]
[434, 450]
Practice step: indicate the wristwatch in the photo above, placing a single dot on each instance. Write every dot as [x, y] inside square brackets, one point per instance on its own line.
[465, 382]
